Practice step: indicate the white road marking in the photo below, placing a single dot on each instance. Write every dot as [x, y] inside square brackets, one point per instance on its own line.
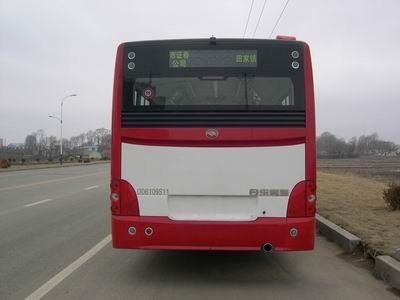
[38, 202]
[48, 181]
[53, 282]
[91, 187]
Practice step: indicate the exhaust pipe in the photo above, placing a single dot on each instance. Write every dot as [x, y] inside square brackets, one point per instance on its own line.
[267, 247]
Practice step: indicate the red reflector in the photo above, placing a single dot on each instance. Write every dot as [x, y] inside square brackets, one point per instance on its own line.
[114, 197]
[286, 37]
[311, 198]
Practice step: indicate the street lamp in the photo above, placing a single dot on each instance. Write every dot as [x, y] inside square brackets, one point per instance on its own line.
[61, 125]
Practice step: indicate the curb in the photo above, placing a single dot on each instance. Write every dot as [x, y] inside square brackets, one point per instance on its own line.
[396, 254]
[386, 267]
[346, 240]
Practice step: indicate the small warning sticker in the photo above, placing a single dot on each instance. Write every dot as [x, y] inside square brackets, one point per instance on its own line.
[148, 93]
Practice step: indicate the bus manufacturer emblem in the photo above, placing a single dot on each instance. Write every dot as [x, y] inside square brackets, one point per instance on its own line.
[212, 133]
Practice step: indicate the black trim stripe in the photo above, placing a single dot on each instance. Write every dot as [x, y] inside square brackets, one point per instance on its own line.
[213, 119]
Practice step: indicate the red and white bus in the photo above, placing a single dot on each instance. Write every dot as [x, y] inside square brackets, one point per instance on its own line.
[213, 145]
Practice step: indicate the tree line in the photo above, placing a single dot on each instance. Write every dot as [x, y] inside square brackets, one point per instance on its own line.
[330, 146]
[39, 146]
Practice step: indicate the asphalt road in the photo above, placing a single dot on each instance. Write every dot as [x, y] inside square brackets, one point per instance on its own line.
[54, 241]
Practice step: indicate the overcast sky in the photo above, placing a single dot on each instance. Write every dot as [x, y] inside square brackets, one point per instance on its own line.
[49, 49]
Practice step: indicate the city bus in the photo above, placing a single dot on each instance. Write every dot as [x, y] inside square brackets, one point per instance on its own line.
[213, 145]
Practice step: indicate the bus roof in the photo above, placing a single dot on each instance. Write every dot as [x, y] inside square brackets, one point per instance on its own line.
[214, 41]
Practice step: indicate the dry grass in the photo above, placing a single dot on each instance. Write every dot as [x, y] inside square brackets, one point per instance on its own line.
[355, 203]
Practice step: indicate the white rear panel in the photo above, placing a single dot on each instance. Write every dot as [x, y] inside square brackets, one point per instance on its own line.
[198, 183]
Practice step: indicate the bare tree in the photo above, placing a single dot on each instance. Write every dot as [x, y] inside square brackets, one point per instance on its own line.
[53, 147]
[30, 143]
[91, 138]
[41, 142]
[328, 145]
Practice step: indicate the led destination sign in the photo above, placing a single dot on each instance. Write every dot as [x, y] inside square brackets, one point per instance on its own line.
[212, 58]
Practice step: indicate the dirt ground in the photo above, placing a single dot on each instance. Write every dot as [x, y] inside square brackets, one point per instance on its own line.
[383, 169]
[355, 203]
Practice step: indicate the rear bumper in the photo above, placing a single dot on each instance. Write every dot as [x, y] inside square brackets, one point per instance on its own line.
[196, 235]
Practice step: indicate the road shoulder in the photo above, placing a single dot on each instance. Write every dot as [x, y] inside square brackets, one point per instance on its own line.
[387, 268]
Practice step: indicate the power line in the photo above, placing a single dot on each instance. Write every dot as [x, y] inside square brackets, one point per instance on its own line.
[248, 18]
[259, 18]
[277, 21]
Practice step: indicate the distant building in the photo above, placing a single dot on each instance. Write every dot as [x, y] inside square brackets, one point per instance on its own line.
[1, 143]
[91, 152]
[15, 146]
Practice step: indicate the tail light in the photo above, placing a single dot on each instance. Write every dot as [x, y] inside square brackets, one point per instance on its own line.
[302, 200]
[129, 200]
[123, 199]
[297, 201]
[311, 195]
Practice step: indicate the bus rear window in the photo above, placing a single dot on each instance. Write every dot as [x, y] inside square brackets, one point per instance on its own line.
[208, 93]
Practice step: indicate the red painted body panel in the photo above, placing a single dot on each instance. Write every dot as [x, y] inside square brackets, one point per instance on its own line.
[311, 164]
[310, 117]
[116, 117]
[228, 137]
[185, 235]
